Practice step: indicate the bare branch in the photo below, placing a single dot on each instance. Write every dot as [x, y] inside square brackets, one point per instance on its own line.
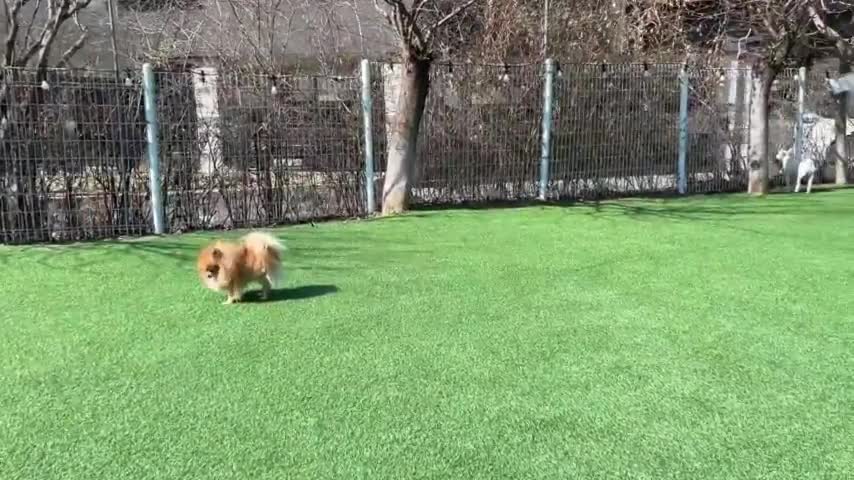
[451, 15]
[76, 46]
[845, 48]
[32, 22]
[384, 13]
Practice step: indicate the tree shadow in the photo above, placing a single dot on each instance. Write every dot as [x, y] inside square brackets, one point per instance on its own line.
[284, 294]
[726, 215]
[177, 249]
[663, 203]
[817, 188]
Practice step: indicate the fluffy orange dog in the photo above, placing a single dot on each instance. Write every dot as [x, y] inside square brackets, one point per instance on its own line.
[229, 267]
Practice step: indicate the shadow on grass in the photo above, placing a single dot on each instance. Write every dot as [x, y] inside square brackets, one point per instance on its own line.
[284, 294]
[779, 201]
[722, 208]
[587, 198]
[180, 250]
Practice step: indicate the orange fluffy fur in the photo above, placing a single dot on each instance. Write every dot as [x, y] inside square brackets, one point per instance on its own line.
[229, 267]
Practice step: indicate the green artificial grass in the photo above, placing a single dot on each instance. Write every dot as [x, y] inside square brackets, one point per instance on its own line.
[685, 339]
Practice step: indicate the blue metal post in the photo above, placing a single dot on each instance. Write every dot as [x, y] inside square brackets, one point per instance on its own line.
[153, 138]
[799, 123]
[682, 170]
[367, 119]
[546, 141]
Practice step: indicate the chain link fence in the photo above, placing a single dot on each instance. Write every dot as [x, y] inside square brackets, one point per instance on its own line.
[239, 149]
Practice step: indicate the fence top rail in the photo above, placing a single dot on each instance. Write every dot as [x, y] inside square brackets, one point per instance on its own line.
[136, 73]
[570, 64]
[236, 72]
[76, 70]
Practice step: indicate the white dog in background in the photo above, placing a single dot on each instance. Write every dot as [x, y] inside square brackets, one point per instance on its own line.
[819, 135]
[805, 169]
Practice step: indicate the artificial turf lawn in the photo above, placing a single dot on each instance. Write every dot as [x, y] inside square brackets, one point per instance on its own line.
[697, 338]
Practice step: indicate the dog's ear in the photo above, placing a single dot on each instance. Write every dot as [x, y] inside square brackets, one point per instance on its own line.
[217, 253]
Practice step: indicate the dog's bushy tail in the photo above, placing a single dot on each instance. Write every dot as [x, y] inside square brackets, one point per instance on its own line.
[271, 249]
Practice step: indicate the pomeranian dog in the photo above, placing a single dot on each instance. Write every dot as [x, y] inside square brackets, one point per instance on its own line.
[230, 266]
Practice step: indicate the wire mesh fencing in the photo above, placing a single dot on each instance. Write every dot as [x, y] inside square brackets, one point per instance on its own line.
[616, 130]
[70, 151]
[481, 136]
[718, 128]
[258, 150]
[240, 149]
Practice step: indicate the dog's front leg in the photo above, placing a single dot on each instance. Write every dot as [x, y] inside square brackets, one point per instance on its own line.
[234, 296]
[809, 182]
[266, 286]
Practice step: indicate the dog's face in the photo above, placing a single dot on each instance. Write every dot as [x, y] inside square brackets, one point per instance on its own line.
[210, 269]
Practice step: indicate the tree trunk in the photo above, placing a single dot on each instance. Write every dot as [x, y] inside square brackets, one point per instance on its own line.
[841, 149]
[403, 144]
[757, 180]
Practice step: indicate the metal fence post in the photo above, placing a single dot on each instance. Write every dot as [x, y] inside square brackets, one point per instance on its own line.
[367, 119]
[153, 139]
[682, 175]
[799, 123]
[546, 141]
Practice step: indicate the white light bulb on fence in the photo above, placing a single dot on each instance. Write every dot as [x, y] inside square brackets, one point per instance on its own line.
[45, 86]
[128, 82]
[274, 90]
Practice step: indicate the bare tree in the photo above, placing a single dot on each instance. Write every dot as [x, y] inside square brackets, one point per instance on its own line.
[831, 18]
[416, 23]
[251, 35]
[29, 43]
[570, 30]
[33, 45]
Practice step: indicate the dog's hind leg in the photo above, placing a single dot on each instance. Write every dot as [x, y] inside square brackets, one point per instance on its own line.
[809, 182]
